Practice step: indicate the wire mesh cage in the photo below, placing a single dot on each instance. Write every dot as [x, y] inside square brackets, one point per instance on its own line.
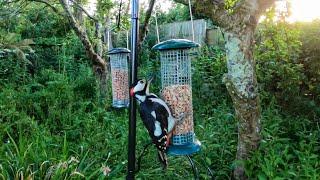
[175, 57]
[119, 58]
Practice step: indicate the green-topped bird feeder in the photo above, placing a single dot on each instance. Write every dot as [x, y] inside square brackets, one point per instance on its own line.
[119, 58]
[176, 91]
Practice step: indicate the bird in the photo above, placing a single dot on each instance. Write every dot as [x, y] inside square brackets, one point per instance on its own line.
[156, 117]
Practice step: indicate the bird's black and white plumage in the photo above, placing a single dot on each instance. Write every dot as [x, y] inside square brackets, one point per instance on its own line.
[156, 117]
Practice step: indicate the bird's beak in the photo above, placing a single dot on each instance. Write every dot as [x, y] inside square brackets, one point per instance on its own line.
[148, 84]
[150, 79]
[131, 92]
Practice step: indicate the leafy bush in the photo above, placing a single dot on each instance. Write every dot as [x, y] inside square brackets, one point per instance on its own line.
[13, 70]
[51, 126]
[209, 68]
[310, 58]
[280, 72]
[289, 149]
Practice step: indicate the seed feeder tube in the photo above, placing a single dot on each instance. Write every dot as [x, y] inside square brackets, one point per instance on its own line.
[119, 58]
[176, 91]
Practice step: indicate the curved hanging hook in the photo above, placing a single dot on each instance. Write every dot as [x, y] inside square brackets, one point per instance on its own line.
[127, 39]
[192, 24]
[157, 27]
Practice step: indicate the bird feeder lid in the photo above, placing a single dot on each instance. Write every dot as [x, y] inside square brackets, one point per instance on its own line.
[119, 50]
[175, 44]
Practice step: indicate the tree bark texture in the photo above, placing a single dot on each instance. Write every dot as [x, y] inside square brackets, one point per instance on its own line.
[242, 85]
[241, 82]
[101, 75]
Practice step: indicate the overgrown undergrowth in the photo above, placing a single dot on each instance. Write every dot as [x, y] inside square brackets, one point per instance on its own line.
[52, 127]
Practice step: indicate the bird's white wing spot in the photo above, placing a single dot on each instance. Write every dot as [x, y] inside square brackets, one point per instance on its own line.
[153, 113]
[157, 131]
[171, 120]
[160, 101]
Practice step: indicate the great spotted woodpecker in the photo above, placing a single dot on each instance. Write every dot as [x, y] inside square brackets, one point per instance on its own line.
[156, 117]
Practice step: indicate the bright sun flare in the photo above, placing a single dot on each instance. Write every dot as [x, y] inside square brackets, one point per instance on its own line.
[304, 10]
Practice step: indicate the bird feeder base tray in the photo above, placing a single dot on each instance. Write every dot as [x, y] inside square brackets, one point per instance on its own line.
[182, 150]
[119, 106]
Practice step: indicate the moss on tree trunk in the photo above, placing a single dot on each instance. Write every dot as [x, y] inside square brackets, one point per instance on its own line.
[242, 86]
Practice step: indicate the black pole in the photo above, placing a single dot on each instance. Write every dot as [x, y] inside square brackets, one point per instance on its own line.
[133, 78]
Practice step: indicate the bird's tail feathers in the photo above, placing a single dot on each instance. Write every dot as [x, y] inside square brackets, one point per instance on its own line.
[163, 159]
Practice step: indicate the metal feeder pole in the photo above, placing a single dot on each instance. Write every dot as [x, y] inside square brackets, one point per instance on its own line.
[133, 78]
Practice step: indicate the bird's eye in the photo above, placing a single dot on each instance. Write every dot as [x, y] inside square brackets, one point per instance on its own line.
[141, 82]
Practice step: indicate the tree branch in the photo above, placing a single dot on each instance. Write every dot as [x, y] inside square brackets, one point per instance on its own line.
[244, 13]
[127, 9]
[54, 9]
[144, 30]
[119, 15]
[94, 57]
[213, 9]
[85, 11]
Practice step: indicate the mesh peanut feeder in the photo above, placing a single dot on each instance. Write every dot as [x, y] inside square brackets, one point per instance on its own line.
[119, 72]
[175, 57]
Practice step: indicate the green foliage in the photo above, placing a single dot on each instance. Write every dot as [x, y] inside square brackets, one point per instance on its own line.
[289, 149]
[209, 69]
[179, 13]
[13, 70]
[40, 22]
[104, 7]
[46, 121]
[280, 71]
[11, 43]
[229, 5]
[310, 57]
[52, 125]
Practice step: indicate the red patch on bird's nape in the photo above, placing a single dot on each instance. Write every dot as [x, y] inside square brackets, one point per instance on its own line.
[131, 92]
[168, 139]
[168, 142]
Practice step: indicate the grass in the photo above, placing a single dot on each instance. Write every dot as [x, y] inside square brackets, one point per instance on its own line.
[52, 128]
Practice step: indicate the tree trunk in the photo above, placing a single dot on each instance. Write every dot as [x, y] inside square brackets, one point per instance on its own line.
[93, 56]
[241, 79]
[144, 30]
[101, 74]
[102, 77]
[99, 64]
[241, 83]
